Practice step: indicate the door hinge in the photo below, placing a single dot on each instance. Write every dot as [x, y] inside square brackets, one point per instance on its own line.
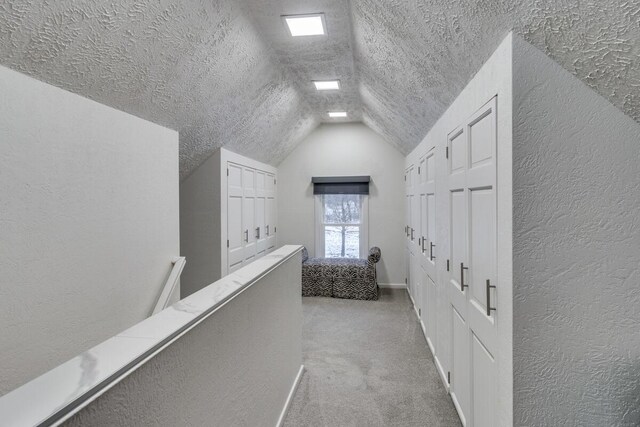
[447, 265]
[447, 152]
[448, 377]
[227, 243]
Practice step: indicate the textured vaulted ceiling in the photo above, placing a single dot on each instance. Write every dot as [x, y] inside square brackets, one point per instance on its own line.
[225, 73]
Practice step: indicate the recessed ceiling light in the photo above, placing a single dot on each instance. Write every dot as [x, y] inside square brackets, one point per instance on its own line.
[337, 114]
[327, 84]
[306, 25]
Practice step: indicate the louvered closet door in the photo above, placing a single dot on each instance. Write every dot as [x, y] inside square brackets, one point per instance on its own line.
[472, 195]
[235, 235]
[249, 214]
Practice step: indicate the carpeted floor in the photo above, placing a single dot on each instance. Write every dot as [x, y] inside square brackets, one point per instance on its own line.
[367, 364]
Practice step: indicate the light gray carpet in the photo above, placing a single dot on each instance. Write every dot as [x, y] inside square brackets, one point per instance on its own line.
[367, 364]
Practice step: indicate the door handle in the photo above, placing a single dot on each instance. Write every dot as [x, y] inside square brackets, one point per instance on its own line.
[489, 308]
[431, 257]
[267, 230]
[422, 244]
[462, 269]
[246, 236]
[257, 232]
[412, 234]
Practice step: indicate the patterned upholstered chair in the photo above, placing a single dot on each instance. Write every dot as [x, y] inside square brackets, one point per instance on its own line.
[351, 278]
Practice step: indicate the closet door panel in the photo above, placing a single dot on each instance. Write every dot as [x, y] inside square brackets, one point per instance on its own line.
[260, 184]
[457, 152]
[270, 227]
[484, 371]
[248, 223]
[424, 228]
[460, 381]
[260, 226]
[458, 242]
[235, 251]
[234, 231]
[481, 244]
[248, 182]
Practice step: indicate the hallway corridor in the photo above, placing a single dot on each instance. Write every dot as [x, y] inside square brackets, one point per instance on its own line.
[367, 364]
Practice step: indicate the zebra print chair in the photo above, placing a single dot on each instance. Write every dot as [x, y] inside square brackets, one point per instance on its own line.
[352, 278]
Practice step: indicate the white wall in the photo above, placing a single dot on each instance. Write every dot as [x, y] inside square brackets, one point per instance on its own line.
[342, 150]
[236, 368]
[576, 251]
[88, 223]
[200, 226]
[494, 78]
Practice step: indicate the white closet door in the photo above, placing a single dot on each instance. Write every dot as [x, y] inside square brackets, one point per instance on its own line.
[457, 284]
[249, 213]
[235, 253]
[473, 223]
[460, 383]
[270, 227]
[428, 247]
[481, 180]
[261, 206]
[260, 229]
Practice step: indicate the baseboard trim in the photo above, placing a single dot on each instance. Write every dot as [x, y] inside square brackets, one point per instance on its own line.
[392, 285]
[294, 387]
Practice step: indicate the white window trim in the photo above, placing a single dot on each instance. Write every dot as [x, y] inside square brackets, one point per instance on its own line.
[319, 227]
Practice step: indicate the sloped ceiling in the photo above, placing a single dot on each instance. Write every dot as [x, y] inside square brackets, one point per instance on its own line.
[225, 73]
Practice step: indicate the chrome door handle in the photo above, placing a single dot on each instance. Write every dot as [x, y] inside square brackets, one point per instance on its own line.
[246, 236]
[422, 244]
[412, 234]
[267, 230]
[462, 269]
[431, 257]
[489, 308]
[257, 232]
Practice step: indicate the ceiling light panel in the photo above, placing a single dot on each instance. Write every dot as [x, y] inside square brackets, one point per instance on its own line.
[306, 25]
[327, 84]
[337, 114]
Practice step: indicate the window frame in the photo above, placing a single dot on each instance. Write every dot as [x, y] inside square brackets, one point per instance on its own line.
[320, 225]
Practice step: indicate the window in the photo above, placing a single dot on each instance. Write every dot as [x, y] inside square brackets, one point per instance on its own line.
[341, 225]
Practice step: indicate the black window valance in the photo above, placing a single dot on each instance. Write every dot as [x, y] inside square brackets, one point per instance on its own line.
[341, 184]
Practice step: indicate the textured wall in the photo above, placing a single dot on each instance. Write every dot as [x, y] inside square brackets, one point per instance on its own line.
[414, 57]
[342, 150]
[315, 58]
[199, 67]
[225, 73]
[88, 223]
[234, 369]
[576, 237]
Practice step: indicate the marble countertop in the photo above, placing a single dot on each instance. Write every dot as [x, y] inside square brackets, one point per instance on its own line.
[61, 392]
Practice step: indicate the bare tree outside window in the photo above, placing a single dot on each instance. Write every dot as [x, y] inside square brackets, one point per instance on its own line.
[342, 220]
